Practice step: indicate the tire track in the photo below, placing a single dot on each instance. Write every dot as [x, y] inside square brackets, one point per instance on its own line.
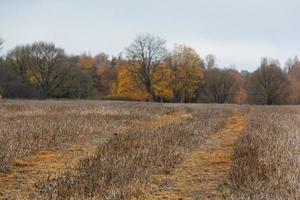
[203, 173]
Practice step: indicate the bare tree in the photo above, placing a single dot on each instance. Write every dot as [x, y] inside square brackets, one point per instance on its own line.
[269, 84]
[49, 68]
[18, 71]
[221, 86]
[19, 59]
[1, 43]
[210, 61]
[148, 51]
[40, 66]
[1, 61]
[293, 71]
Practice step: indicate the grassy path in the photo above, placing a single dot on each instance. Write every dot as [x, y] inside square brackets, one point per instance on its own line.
[202, 174]
[18, 182]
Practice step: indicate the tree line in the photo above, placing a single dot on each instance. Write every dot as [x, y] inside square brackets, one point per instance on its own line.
[147, 71]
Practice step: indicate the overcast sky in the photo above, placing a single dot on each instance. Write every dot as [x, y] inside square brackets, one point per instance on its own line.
[238, 32]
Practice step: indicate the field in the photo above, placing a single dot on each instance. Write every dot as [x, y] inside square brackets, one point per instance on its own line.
[129, 150]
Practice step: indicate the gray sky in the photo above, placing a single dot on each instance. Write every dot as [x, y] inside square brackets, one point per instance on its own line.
[238, 32]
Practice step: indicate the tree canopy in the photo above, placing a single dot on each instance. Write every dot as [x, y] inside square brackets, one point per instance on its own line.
[147, 72]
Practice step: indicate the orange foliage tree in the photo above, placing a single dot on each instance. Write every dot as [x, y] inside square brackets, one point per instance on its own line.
[294, 78]
[126, 85]
[86, 62]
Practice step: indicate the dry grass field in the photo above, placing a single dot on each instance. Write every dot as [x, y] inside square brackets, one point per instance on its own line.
[266, 159]
[129, 150]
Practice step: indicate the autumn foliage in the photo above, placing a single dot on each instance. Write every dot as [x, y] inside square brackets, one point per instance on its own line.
[126, 85]
[146, 71]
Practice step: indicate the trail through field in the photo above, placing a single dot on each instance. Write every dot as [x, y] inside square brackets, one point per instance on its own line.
[202, 174]
[18, 182]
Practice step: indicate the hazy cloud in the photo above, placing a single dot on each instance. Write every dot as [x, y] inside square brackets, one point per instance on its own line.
[237, 32]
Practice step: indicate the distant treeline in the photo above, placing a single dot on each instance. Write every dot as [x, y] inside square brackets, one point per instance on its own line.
[146, 72]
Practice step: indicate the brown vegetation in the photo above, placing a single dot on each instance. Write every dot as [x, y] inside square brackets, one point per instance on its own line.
[86, 148]
[269, 85]
[147, 72]
[121, 167]
[202, 173]
[122, 150]
[27, 127]
[266, 161]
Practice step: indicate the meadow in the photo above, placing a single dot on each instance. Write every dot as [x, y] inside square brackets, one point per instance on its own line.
[134, 150]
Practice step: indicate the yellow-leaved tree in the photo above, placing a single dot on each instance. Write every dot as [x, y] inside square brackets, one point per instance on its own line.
[127, 86]
[162, 80]
[188, 73]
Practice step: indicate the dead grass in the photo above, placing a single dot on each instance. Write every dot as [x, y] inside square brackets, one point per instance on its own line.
[30, 126]
[27, 171]
[98, 150]
[121, 167]
[203, 171]
[266, 162]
